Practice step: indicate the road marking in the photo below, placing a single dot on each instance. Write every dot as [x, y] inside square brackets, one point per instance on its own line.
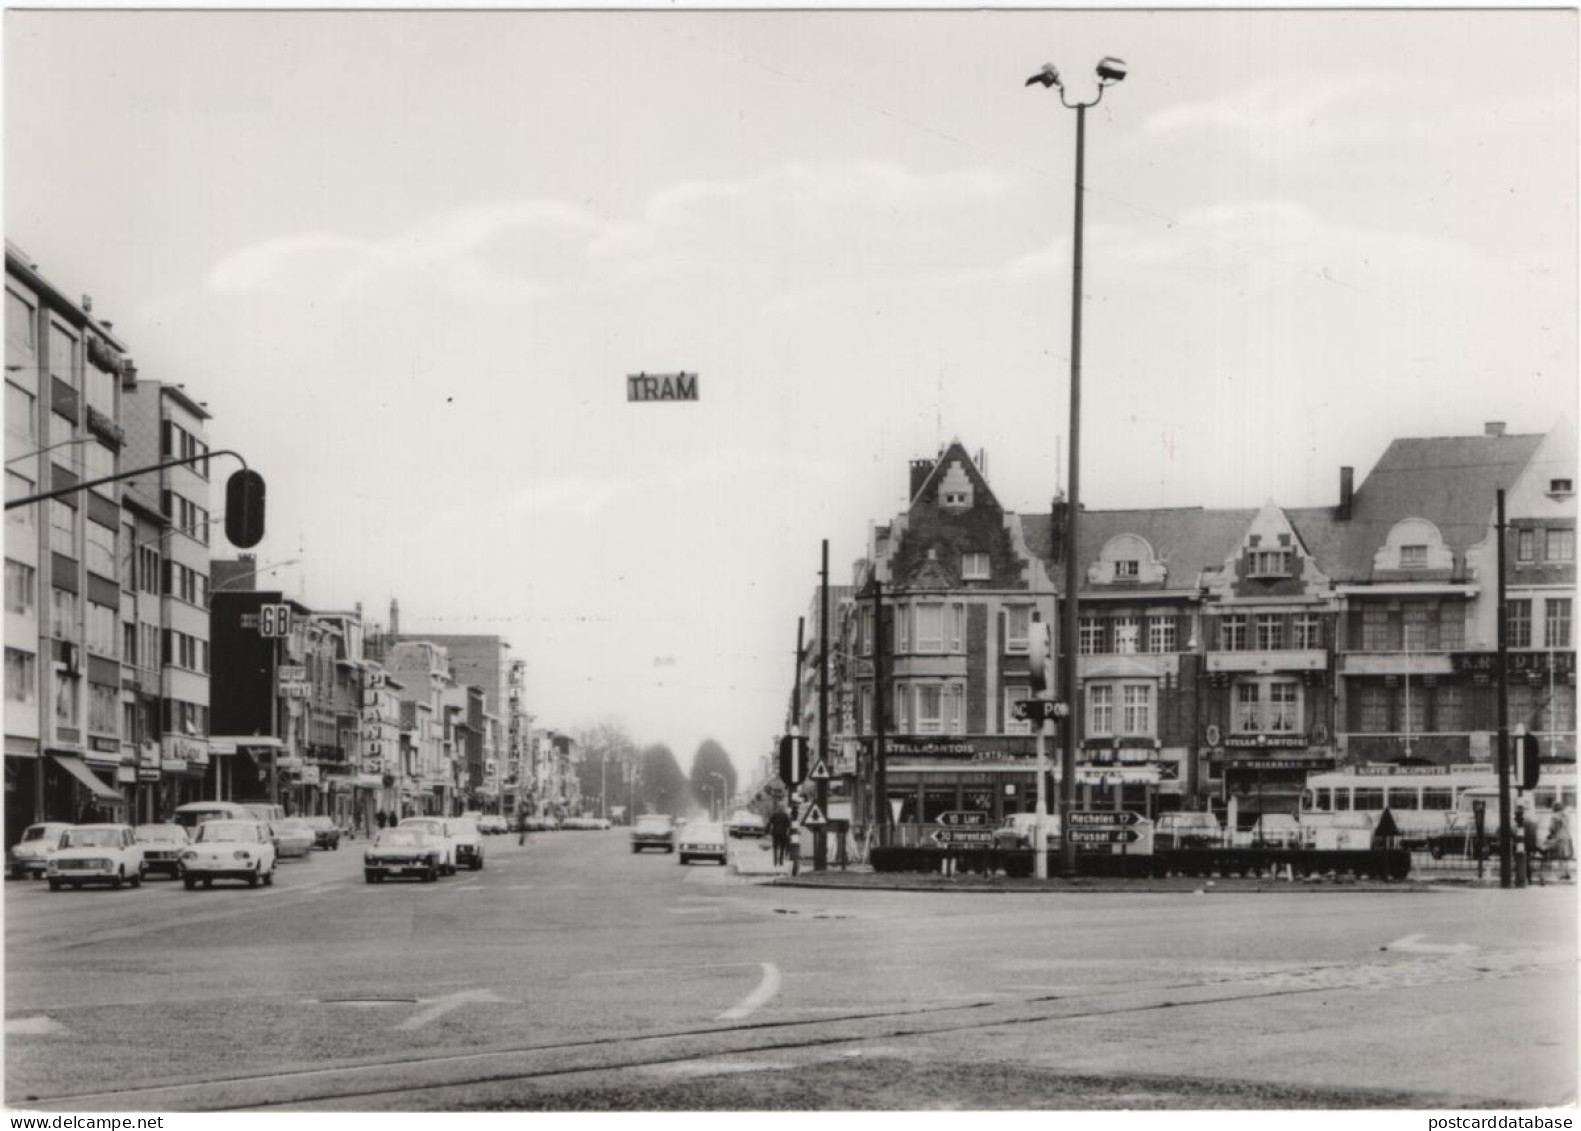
[1412, 944]
[767, 988]
[520, 887]
[34, 1027]
[439, 1006]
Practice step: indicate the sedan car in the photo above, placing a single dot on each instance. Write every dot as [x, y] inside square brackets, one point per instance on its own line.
[292, 836]
[96, 854]
[468, 839]
[403, 851]
[702, 838]
[229, 850]
[653, 830]
[1016, 831]
[744, 822]
[326, 834]
[162, 848]
[1187, 830]
[30, 854]
[441, 830]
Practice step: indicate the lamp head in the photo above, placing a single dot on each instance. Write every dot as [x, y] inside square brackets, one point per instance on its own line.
[1110, 70]
[1048, 76]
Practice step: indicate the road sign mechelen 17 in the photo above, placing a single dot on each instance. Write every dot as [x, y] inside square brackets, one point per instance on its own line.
[964, 817]
[1102, 836]
[979, 838]
[1103, 818]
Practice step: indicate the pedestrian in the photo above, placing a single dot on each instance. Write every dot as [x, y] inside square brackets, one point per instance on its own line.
[1558, 845]
[779, 834]
[381, 818]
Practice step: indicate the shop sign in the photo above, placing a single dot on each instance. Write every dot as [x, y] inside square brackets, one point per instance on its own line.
[104, 745]
[1516, 663]
[178, 750]
[934, 747]
[1278, 741]
[125, 775]
[310, 775]
[290, 673]
[1128, 775]
[1285, 764]
[296, 689]
[1383, 769]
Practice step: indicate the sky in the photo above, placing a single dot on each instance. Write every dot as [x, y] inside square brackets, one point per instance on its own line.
[408, 260]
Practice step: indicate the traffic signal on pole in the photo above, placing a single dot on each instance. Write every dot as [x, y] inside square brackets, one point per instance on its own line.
[793, 759]
[1531, 760]
[1040, 655]
[244, 509]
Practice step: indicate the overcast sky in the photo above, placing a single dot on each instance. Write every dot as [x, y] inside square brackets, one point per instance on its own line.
[409, 259]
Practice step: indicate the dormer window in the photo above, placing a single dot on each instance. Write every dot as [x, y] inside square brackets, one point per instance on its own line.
[1127, 569]
[954, 499]
[1270, 563]
[974, 567]
[1413, 557]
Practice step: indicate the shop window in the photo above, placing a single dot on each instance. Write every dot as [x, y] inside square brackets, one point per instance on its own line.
[937, 801]
[978, 799]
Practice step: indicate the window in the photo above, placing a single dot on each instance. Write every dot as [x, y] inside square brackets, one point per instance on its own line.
[63, 614]
[1127, 569]
[1449, 707]
[1374, 709]
[864, 710]
[1014, 694]
[129, 642]
[1307, 630]
[1100, 709]
[1404, 797]
[1161, 634]
[1413, 703]
[1232, 633]
[902, 628]
[1127, 634]
[148, 654]
[1526, 546]
[19, 487]
[1018, 627]
[1284, 706]
[1374, 627]
[1138, 716]
[930, 627]
[1438, 797]
[955, 622]
[21, 413]
[1368, 800]
[1270, 633]
[1248, 708]
[100, 549]
[1519, 625]
[864, 633]
[62, 528]
[1342, 800]
[1414, 619]
[974, 567]
[1561, 546]
[21, 676]
[1091, 642]
[1413, 557]
[1556, 627]
[954, 499]
[19, 323]
[148, 570]
[1451, 627]
[1561, 486]
[1270, 563]
[102, 629]
[937, 800]
[98, 462]
[901, 699]
[19, 581]
[67, 691]
[104, 708]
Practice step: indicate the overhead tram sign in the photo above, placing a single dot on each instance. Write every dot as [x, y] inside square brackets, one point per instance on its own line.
[661, 387]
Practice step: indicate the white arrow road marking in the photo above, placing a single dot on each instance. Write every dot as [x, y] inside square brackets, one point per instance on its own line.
[767, 988]
[439, 1006]
[34, 1027]
[1413, 944]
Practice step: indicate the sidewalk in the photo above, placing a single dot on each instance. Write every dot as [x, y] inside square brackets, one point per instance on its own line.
[755, 857]
[869, 880]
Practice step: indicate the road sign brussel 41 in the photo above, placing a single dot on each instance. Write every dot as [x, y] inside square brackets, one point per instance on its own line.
[962, 818]
[1100, 836]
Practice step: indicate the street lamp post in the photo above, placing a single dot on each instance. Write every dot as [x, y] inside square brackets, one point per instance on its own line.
[1110, 71]
[723, 785]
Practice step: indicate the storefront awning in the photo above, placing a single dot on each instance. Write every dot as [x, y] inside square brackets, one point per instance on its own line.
[77, 768]
[221, 744]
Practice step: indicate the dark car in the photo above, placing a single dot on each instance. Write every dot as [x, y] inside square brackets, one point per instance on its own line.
[744, 822]
[404, 851]
[162, 848]
[655, 830]
[325, 833]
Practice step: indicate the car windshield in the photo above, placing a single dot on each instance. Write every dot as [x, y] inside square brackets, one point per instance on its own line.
[226, 831]
[419, 823]
[291, 825]
[703, 830]
[464, 825]
[161, 834]
[401, 838]
[91, 838]
[37, 833]
[653, 824]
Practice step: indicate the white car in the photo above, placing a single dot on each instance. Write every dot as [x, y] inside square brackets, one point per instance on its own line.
[292, 836]
[30, 854]
[701, 838]
[468, 839]
[442, 830]
[229, 850]
[96, 854]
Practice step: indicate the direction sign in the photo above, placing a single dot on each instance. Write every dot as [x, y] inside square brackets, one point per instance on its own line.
[820, 771]
[1102, 836]
[1103, 818]
[962, 817]
[982, 837]
[814, 816]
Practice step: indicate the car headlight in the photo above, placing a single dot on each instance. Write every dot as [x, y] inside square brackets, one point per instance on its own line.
[189, 854]
[242, 854]
[367, 858]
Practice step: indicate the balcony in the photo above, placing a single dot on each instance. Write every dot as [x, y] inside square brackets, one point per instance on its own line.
[102, 426]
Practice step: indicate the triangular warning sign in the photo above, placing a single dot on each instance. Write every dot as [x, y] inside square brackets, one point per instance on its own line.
[814, 816]
[820, 771]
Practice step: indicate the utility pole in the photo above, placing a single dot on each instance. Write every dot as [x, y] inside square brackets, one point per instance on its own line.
[801, 650]
[1505, 862]
[820, 844]
[880, 776]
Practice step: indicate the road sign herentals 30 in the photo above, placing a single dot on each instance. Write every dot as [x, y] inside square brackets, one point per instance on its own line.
[661, 387]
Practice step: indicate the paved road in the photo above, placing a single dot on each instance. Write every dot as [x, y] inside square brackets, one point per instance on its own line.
[570, 972]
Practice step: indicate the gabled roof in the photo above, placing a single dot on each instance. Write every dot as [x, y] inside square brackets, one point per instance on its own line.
[956, 451]
[1189, 540]
[1449, 480]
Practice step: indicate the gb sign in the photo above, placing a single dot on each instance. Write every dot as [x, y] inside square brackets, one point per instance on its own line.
[274, 620]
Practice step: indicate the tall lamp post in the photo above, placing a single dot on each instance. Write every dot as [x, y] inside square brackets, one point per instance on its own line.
[723, 786]
[1110, 71]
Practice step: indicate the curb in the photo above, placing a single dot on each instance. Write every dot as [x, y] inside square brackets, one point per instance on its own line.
[1216, 887]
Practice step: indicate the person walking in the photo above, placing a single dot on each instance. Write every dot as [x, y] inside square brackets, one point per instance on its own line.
[381, 818]
[779, 835]
[1558, 845]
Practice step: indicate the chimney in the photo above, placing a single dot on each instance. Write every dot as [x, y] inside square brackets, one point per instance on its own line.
[920, 468]
[1493, 428]
[395, 617]
[1347, 491]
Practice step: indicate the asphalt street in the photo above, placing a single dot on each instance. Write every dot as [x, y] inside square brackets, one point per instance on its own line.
[570, 973]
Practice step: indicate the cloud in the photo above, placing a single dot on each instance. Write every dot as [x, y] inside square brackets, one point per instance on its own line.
[1268, 109]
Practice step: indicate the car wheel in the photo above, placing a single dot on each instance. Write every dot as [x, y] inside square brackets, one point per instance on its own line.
[684, 858]
[118, 880]
[370, 877]
[477, 862]
[54, 885]
[252, 878]
[268, 878]
[208, 882]
[636, 848]
[137, 880]
[189, 882]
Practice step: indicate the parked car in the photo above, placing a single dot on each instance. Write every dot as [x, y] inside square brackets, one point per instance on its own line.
[744, 822]
[492, 824]
[292, 836]
[1015, 831]
[162, 848]
[702, 838]
[191, 815]
[229, 850]
[326, 834]
[464, 833]
[439, 829]
[403, 851]
[263, 811]
[1187, 830]
[653, 830]
[30, 855]
[96, 854]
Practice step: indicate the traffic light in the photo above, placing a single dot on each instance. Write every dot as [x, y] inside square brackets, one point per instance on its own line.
[1531, 760]
[793, 759]
[244, 509]
[1040, 655]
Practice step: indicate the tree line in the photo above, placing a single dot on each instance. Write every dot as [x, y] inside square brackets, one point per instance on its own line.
[649, 779]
